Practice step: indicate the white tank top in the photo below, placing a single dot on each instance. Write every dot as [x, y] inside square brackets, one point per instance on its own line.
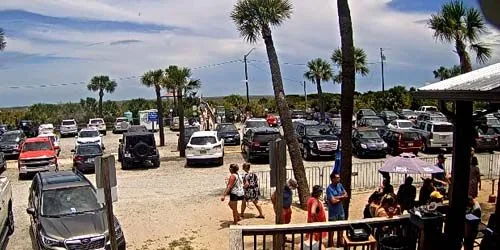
[237, 188]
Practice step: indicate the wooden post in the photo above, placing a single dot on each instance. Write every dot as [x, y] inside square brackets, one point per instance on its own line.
[458, 191]
[235, 238]
[105, 163]
[278, 152]
[497, 213]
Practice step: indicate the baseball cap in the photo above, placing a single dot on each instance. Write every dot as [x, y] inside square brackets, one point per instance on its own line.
[441, 156]
[436, 195]
[292, 183]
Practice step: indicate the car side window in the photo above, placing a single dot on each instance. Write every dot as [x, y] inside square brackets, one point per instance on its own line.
[429, 127]
[301, 130]
[394, 123]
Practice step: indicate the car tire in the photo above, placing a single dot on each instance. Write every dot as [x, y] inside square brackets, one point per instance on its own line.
[119, 157]
[306, 154]
[425, 149]
[22, 177]
[124, 165]
[188, 163]
[10, 220]
[104, 133]
[156, 163]
[220, 162]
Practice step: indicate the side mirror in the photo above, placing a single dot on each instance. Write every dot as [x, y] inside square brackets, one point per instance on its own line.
[103, 148]
[73, 151]
[30, 211]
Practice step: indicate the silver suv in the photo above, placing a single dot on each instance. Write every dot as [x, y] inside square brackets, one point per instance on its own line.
[68, 128]
[436, 135]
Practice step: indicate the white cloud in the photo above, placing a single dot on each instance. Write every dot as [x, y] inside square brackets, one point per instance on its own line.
[207, 35]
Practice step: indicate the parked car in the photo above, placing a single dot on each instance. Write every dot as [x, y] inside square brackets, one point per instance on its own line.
[435, 117]
[298, 114]
[364, 112]
[402, 141]
[36, 155]
[66, 214]
[316, 140]
[229, 133]
[28, 127]
[485, 138]
[53, 138]
[137, 128]
[367, 142]
[99, 124]
[6, 211]
[400, 124]
[374, 122]
[121, 125]
[436, 135]
[188, 132]
[254, 123]
[205, 146]
[138, 148]
[428, 109]
[388, 116]
[174, 126]
[10, 143]
[68, 128]
[255, 142]
[84, 157]
[3, 162]
[408, 114]
[45, 128]
[89, 136]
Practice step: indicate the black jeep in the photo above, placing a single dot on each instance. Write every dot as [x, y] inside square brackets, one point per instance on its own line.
[29, 128]
[137, 148]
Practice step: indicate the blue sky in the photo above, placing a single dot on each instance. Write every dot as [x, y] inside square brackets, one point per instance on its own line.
[64, 43]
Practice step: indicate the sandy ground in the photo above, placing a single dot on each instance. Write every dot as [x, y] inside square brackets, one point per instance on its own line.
[172, 207]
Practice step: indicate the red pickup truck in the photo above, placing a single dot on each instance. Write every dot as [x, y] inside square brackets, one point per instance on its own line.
[36, 155]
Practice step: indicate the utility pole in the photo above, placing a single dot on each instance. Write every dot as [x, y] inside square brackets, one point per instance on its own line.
[246, 74]
[382, 59]
[305, 95]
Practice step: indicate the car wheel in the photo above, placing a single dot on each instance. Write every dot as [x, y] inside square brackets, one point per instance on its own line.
[306, 154]
[10, 220]
[188, 163]
[124, 165]
[156, 163]
[220, 162]
[22, 177]
[119, 157]
[425, 149]
[104, 133]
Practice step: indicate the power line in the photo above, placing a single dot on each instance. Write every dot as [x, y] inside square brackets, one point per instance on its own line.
[284, 63]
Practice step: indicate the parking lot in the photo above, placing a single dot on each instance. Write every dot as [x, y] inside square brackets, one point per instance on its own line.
[155, 206]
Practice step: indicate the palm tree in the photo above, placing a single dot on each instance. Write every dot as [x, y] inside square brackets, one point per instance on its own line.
[101, 84]
[461, 26]
[319, 70]
[180, 80]
[444, 73]
[155, 78]
[360, 62]
[347, 97]
[254, 19]
[3, 43]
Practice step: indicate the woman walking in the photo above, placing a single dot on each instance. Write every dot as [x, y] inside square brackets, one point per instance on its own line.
[252, 192]
[235, 191]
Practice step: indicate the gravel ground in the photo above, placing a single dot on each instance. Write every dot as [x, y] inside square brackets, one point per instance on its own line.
[165, 207]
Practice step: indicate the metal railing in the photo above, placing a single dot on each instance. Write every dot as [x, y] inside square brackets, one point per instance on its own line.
[366, 176]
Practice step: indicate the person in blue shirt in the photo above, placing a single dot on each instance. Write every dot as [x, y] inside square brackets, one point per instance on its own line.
[335, 194]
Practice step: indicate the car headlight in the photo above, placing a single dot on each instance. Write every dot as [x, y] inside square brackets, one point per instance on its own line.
[49, 242]
[364, 146]
[127, 155]
[384, 145]
[311, 144]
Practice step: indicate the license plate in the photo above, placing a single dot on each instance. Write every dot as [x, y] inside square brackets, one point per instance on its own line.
[488, 140]
[203, 151]
[90, 161]
[410, 144]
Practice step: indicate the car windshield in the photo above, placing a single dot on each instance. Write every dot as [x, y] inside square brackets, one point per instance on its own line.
[390, 113]
[69, 201]
[37, 146]
[369, 135]
[443, 128]
[25, 124]
[319, 130]
[408, 112]
[375, 122]
[68, 123]
[265, 137]
[256, 124]
[88, 133]
[203, 140]
[12, 137]
[439, 118]
[89, 150]
[493, 122]
[227, 128]
[121, 119]
[411, 136]
[405, 124]
[431, 109]
[487, 131]
[368, 112]
[96, 121]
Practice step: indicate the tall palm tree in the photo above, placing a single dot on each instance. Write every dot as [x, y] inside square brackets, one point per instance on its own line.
[360, 62]
[347, 97]
[461, 26]
[444, 73]
[319, 70]
[3, 43]
[101, 84]
[180, 80]
[155, 79]
[254, 19]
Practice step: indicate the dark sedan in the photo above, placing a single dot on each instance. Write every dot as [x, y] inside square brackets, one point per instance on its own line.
[10, 141]
[229, 133]
[84, 157]
[367, 142]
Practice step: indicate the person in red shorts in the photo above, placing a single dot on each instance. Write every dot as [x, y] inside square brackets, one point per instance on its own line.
[286, 215]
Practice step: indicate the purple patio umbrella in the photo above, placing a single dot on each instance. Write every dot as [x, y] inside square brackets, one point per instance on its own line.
[407, 163]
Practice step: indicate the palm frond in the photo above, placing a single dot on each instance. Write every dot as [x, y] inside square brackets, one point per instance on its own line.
[474, 25]
[318, 69]
[337, 57]
[483, 52]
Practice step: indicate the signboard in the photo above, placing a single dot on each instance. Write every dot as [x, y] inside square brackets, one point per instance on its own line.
[153, 116]
[102, 164]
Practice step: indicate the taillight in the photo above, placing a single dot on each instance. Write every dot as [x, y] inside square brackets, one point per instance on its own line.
[255, 144]
[78, 158]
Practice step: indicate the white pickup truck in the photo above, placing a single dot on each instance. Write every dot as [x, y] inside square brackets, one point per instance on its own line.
[6, 214]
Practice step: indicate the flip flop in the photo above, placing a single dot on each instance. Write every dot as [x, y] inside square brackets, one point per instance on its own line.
[260, 217]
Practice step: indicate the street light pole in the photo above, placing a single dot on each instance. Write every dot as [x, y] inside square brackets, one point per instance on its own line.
[246, 74]
[305, 95]
[382, 59]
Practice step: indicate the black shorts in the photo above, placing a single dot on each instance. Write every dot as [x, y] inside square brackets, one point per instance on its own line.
[233, 197]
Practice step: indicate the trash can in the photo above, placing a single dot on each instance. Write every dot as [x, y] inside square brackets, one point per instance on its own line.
[392, 242]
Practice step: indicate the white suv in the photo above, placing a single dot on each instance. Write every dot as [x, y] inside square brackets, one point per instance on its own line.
[254, 123]
[205, 146]
[99, 124]
[68, 127]
[89, 136]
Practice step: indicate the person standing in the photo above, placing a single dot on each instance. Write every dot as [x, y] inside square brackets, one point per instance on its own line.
[474, 178]
[235, 191]
[286, 215]
[427, 188]
[439, 179]
[407, 194]
[335, 194]
[316, 211]
[252, 192]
